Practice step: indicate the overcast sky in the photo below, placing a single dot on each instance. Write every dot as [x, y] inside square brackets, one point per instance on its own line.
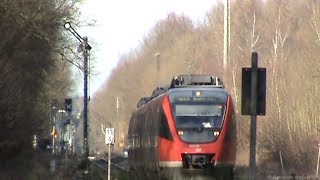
[122, 24]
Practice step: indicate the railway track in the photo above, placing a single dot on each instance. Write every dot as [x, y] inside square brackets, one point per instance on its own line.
[120, 164]
[117, 161]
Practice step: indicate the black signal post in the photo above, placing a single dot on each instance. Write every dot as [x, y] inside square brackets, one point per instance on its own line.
[85, 48]
[253, 102]
[253, 126]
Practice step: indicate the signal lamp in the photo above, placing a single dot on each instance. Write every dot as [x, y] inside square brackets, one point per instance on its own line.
[67, 25]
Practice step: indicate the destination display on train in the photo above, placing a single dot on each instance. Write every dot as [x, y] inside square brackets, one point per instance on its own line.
[196, 99]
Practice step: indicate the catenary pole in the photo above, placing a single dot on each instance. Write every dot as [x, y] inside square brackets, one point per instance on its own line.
[226, 38]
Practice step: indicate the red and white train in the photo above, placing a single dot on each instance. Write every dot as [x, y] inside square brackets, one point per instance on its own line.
[187, 127]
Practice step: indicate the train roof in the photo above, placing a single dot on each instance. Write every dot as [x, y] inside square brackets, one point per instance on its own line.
[185, 81]
[143, 101]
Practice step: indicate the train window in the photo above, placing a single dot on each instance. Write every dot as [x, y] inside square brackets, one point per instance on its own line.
[193, 116]
[198, 123]
[164, 128]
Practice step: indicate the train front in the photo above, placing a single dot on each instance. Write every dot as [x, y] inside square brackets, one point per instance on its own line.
[202, 124]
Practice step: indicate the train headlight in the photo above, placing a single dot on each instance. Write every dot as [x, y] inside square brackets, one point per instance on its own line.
[198, 93]
[216, 133]
[180, 133]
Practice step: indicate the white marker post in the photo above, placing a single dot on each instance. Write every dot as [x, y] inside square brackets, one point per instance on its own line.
[109, 140]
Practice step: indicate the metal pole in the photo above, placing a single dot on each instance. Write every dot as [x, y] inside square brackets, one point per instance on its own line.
[109, 160]
[226, 37]
[118, 124]
[53, 140]
[53, 136]
[253, 125]
[85, 100]
[85, 48]
[53, 128]
[317, 173]
[73, 141]
[62, 130]
[158, 67]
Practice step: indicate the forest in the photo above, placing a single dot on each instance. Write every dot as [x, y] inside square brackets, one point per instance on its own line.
[285, 34]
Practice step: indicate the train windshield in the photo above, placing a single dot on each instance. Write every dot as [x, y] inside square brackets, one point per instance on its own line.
[198, 116]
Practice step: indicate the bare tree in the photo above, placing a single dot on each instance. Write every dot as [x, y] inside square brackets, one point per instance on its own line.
[30, 70]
